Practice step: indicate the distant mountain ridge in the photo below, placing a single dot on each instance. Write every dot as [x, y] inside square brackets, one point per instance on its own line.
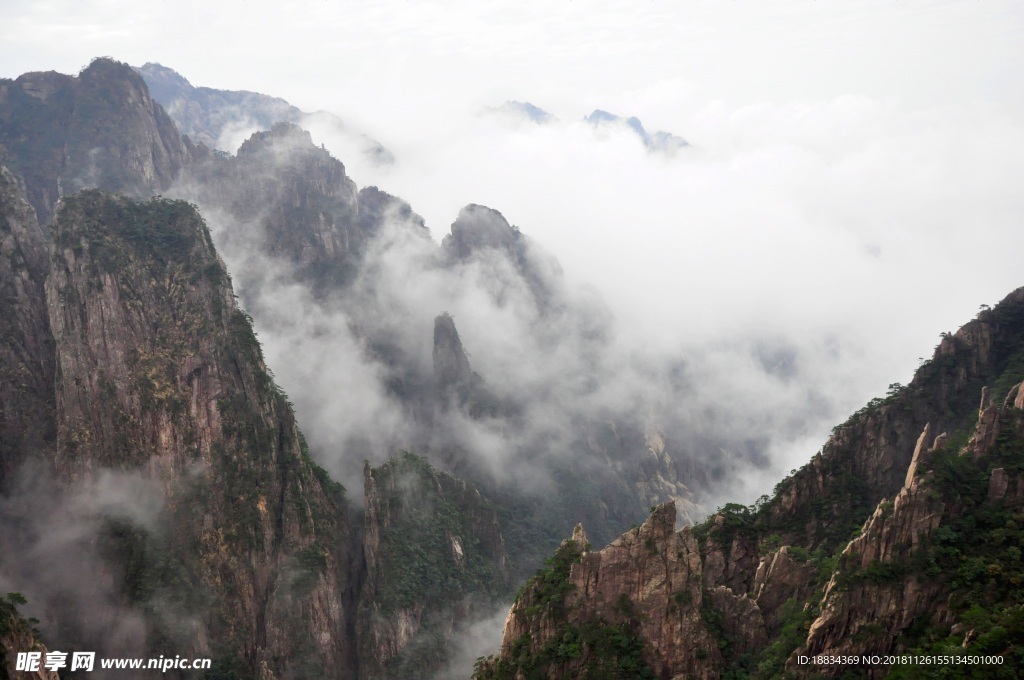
[655, 142]
[662, 141]
[205, 114]
[526, 110]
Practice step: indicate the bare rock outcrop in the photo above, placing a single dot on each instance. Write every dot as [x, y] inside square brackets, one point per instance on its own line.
[867, 458]
[869, 600]
[646, 586]
[781, 577]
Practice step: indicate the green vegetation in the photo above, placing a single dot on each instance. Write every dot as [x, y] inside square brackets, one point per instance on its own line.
[12, 623]
[439, 548]
[596, 649]
[546, 590]
[796, 620]
[976, 554]
[159, 231]
[421, 544]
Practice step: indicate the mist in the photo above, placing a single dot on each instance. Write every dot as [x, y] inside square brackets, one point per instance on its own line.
[850, 192]
[481, 637]
[741, 296]
[54, 540]
[843, 236]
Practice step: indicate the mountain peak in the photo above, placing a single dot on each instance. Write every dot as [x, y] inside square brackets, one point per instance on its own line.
[452, 375]
[517, 109]
[162, 79]
[478, 227]
[100, 129]
[657, 141]
[280, 133]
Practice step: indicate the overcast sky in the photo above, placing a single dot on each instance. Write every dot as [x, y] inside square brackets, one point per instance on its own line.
[853, 188]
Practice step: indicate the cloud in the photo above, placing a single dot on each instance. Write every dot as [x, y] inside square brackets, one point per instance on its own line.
[845, 233]
[52, 543]
[475, 638]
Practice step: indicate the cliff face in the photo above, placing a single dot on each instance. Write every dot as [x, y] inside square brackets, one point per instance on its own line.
[100, 130]
[293, 203]
[435, 559]
[453, 378]
[936, 570]
[483, 235]
[27, 423]
[867, 457]
[938, 564]
[867, 605]
[159, 373]
[641, 606]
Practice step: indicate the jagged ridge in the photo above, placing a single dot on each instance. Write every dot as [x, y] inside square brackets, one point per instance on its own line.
[935, 571]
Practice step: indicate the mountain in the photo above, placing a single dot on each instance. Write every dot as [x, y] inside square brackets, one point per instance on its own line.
[308, 210]
[287, 213]
[60, 133]
[901, 537]
[661, 141]
[522, 111]
[141, 423]
[215, 118]
[203, 113]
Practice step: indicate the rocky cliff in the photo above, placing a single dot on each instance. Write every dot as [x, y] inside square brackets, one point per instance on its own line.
[125, 353]
[938, 566]
[305, 207]
[867, 457]
[158, 375]
[639, 608]
[294, 204]
[27, 422]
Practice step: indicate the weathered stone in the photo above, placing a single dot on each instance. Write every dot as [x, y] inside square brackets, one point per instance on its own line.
[998, 482]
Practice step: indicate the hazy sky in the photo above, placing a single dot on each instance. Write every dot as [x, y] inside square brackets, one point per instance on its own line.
[854, 185]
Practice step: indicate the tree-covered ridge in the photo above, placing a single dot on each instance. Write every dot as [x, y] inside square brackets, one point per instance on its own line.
[436, 559]
[866, 457]
[431, 547]
[595, 648]
[161, 231]
[17, 634]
